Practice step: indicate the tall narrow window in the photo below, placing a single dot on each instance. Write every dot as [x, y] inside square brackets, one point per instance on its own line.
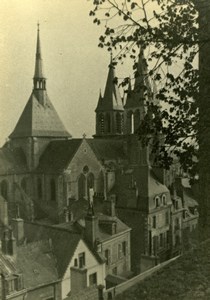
[92, 279]
[101, 123]
[39, 188]
[154, 222]
[82, 260]
[4, 189]
[24, 184]
[52, 190]
[118, 123]
[108, 123]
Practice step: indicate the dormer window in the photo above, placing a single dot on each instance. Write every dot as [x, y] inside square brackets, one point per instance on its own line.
[164, 200]
[157, 201]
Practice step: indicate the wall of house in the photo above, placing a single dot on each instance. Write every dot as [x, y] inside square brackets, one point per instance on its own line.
[91, 266]
[118, 262]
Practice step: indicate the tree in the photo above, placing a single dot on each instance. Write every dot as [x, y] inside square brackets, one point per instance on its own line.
[168, 31]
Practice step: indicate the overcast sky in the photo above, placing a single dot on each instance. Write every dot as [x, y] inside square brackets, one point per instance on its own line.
[74, 66]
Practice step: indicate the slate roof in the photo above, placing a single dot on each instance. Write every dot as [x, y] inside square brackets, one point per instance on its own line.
[57, 155]
[12, 161]
[112, 99]
[39, 120]
[37, 263]
[64, 242]
[108, 149]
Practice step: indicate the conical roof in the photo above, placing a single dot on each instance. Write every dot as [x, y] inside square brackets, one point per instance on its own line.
[136, 96]
[112, 99]
[39, 73]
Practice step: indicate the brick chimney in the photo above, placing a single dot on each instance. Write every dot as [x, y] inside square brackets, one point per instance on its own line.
[8, 243]
[18, 229]
[109, 206]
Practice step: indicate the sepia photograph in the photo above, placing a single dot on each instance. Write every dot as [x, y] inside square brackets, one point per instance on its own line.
[104, 149]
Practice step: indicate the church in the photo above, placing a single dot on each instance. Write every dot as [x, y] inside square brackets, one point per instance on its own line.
[45, 173]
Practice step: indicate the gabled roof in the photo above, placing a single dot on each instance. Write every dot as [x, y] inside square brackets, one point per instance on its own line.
[108, 149]
[57, 155]
[111, 99]
[39, 120]
[64, 242]
[12, 161]
[37, 263]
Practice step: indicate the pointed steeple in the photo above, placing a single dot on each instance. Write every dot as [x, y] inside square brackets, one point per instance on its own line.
[39, 117]
[39, 78]
[112, 99]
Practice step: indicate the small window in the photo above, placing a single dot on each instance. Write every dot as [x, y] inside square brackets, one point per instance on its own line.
[154, 222]
[119, 251]
[124, 248]
[164, 199]
[157, 201]
[167, 218]
[107, 255]
[161, 240]
[92, 279]
[82, 260]
[75, 262]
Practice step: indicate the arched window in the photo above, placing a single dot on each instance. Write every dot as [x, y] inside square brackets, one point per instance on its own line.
[128, 122]
[108, 123]
[119, 123]
[39, 188]
[4, 189]
[24, 184]
[136, 119]
[132, 123]
[82, 186]
[101, 123]
[52, 190]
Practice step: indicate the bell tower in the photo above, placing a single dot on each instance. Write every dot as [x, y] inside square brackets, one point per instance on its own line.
[109, 111]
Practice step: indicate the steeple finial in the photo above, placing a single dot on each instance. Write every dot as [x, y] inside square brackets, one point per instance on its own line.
[39, 78]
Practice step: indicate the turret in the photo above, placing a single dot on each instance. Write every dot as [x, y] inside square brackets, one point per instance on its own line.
[109, 110]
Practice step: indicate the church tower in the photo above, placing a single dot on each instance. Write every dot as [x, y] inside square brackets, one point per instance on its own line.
[39, 122]
[135, 106]
[109, 111]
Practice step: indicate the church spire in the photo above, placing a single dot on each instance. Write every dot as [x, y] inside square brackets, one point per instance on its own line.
[39, 78]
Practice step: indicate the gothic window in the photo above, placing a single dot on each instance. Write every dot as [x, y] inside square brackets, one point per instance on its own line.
[82, 186]
[108, 123]
[52, 190]
[101, 123]
[132, 123]
[39, 188]
[129, 125]
[23, 184]
[119, 123]
[136, 119]
[85, 169]
[4, 189]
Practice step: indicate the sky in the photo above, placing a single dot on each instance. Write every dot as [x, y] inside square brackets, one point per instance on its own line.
[76, 69]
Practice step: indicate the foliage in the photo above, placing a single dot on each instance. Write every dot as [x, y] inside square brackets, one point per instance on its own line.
[186, 278]
[167, 30]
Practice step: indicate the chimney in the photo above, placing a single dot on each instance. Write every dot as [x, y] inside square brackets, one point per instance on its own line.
[12, 245]
[91, 226]
[109, 206]
[8, 243]
[5, 242]
[18, 229]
